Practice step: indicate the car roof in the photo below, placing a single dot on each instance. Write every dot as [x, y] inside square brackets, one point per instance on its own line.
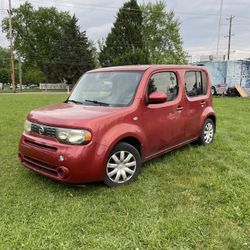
[145, 67]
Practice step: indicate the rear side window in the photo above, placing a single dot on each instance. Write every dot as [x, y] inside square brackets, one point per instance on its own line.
[164, 82]
[195, 83]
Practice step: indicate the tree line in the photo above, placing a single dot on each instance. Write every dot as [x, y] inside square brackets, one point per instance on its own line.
[52, 47]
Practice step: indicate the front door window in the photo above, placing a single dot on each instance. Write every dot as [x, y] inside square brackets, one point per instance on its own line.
[164, 82]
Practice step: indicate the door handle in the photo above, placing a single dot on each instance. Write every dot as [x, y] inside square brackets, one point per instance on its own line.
[203, 103]
[179, 108]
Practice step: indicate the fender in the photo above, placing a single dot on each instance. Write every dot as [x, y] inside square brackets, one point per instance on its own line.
[119, 132]
[208, 111]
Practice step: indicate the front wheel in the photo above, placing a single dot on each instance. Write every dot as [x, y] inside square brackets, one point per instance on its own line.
[207, 133]
[123, 165]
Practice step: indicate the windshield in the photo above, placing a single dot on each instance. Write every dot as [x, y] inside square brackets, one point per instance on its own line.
[115, 88]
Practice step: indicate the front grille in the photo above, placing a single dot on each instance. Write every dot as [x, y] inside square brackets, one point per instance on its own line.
[39, 165]
[39, 145]
[43, 130]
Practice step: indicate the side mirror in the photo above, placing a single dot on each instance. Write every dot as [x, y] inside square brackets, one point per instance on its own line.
[157, 97]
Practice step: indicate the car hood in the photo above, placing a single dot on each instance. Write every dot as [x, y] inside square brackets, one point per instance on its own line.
[71, 115]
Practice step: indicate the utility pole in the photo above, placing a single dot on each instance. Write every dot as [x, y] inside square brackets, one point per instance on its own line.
[11, 49]
[219, 31]
[20, 73]
[229, 36]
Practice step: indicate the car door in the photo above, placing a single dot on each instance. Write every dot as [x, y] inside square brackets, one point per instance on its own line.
[163, 123]
[196, 101]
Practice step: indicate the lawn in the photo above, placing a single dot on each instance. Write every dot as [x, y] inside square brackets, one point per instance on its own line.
[194, 197]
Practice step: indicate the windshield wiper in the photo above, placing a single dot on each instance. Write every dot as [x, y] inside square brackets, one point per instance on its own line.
[97, 102]
[76, 102]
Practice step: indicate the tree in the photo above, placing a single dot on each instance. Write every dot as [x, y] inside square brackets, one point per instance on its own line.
[4, 65]
[161, 31]
[42, 38]
[4, 75]
[35, 34]
[124, 44]
[74, 54]
[32, 74]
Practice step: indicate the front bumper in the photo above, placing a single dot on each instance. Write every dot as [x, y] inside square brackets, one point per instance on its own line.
[221, 91]
[75, 164]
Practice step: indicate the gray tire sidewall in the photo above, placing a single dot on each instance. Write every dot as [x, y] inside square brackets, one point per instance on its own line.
[123, 146]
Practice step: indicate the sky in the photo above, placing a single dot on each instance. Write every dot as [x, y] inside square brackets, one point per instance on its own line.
[199, 22]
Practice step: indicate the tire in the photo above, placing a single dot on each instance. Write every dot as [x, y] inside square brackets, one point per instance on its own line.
[123, 165]
[214, 91]
[207, 133]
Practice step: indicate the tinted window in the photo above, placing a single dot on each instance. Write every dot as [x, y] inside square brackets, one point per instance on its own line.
[164, 82]
[195, 83]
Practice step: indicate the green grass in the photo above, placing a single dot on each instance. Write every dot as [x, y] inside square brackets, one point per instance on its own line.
[194, 197]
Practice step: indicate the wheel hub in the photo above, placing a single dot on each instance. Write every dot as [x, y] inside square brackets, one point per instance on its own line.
[121, 166]
[208, 132]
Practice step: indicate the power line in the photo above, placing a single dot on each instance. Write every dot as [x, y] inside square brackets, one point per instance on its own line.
[109, 8]
[82, 5]
[46, 3]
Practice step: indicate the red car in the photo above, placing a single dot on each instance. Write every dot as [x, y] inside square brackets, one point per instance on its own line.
[115, 119]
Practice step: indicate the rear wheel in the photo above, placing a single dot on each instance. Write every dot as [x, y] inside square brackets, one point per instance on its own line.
[207, 134]
[123, 165]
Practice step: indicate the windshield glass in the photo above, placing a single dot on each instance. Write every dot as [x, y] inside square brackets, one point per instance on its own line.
[115, 88]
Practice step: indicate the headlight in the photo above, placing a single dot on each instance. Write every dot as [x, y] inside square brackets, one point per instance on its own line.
[27, 126]
[73, 136]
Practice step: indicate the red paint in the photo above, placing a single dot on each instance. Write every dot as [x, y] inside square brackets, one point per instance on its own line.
[157, 97]
[158, 128]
